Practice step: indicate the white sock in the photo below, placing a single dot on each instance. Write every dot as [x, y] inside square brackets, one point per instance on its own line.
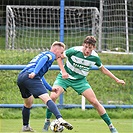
[60, 119]
[47, 120]
[111, 126]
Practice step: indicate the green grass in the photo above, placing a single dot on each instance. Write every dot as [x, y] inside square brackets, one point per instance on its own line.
[80, 125]
[38, 113]
[105, 88]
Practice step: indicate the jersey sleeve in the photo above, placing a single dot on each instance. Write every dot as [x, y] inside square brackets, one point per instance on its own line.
[98, 62]
[69, 52]
[49, 56]
[46, 84]
[40, 64]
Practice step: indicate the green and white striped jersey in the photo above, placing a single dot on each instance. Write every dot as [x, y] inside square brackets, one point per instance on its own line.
[78, 65]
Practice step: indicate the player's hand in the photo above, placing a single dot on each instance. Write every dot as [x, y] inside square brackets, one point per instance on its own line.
[65, 75]
[32, 75]
[55, 90]
[121, 82]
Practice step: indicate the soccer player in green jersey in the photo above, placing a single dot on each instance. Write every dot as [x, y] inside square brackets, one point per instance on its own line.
[79, 61]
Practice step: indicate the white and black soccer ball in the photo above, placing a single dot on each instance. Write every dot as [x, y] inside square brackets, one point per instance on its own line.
[56, 127]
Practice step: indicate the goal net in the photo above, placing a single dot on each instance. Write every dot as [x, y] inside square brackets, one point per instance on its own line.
[36, 27]
[116, 25]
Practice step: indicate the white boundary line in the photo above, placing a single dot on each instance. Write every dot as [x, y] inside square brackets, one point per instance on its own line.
[113, 52]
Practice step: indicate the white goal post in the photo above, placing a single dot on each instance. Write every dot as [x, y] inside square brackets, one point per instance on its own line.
[116, 26]
[36, 27]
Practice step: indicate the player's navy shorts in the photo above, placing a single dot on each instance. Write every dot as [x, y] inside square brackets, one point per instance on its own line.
[29, 86]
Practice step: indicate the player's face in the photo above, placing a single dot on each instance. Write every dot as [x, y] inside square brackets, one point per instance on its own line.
[59, 52]
[87, 49]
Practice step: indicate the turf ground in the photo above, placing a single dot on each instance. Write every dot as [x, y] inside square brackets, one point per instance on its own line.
[80, 125]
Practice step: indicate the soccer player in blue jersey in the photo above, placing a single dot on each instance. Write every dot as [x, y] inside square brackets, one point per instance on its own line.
[79, 61]
[32, 84]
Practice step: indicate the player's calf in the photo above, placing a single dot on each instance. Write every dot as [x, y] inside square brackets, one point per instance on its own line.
[46, 125]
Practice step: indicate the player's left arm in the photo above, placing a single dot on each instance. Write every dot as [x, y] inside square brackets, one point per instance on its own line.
[111, 75]
[46, 84]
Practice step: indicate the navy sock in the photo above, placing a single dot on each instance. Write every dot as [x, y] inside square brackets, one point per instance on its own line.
[26, 115]
[53, 108]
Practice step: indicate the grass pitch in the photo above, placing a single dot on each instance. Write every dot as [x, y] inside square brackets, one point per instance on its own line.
[80, 125]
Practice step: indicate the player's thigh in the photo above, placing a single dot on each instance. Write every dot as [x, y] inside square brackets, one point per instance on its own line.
[80, 85]
[30, 87]
[22, 87]
[35, 86]
[89, 95]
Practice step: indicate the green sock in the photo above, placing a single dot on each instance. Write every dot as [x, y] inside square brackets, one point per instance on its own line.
[48, 113]
[106, 118]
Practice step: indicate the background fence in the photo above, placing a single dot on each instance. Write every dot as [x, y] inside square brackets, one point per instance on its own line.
[111, 21]
[25, 31]
[118, 100]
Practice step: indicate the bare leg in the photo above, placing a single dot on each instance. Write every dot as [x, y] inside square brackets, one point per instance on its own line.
[28, 102]
[91, 97]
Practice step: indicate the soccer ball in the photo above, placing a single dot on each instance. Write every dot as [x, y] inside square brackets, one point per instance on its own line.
[55, 126]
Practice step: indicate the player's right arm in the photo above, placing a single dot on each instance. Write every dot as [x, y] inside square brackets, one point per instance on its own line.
[38, 66]
[67, 53]
[61, 66]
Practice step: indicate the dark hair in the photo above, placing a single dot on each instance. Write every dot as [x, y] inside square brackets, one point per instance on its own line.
[90, 40]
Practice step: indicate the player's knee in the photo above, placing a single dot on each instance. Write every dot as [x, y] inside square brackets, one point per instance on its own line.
[27, 105]
[28, 102]
[54, 97]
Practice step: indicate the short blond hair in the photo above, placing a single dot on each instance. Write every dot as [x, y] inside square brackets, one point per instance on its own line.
[59, 44]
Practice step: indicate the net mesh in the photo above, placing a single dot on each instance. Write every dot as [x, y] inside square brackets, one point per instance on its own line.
[35, 27]
[117, 32]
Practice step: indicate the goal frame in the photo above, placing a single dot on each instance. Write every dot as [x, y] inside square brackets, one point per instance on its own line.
[62, 28]
[126, 29]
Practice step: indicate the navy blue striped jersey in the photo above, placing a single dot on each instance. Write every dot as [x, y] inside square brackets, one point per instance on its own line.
[40, 65]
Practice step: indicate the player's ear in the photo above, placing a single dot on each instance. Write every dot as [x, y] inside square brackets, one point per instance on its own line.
[94, 47]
